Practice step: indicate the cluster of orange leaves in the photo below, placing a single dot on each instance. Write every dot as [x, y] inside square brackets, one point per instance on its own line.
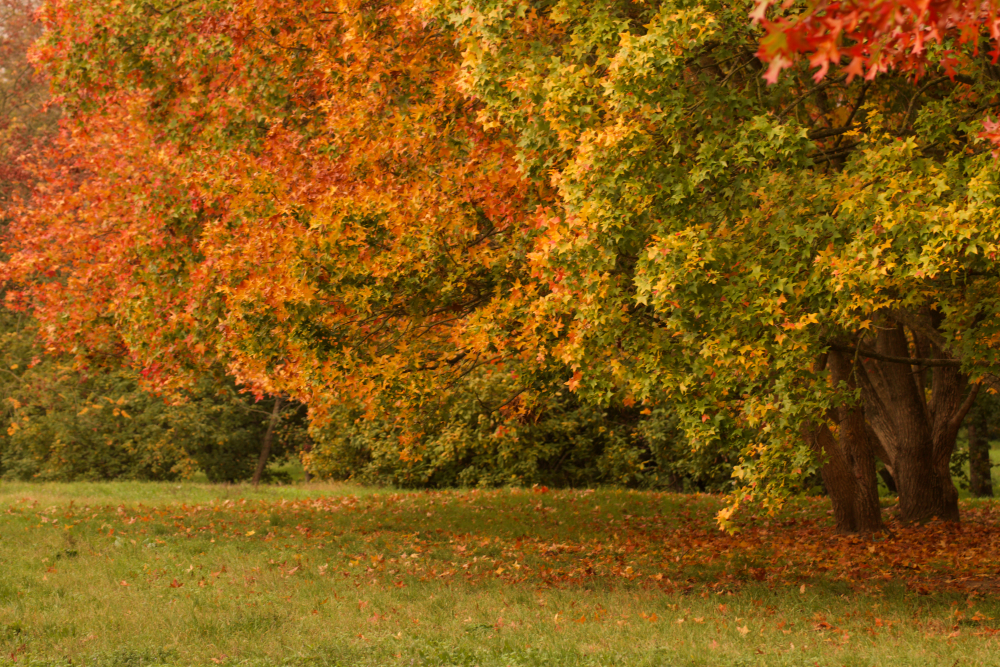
[320, 214]
[873, 36]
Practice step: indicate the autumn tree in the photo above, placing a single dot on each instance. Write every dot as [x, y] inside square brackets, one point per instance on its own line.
[935, 39]
[367, 204]
[297, 191]
[813, 259]
[65, 418]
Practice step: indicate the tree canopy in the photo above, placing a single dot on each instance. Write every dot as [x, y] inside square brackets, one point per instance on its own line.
[298, 191]
[759, 251]
[365, 203]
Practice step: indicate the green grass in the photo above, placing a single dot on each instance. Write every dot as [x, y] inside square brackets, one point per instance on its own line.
[129, 574]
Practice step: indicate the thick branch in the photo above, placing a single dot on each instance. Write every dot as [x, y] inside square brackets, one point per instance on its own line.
[895, 360]
[956, 419]
[922, 328]
[815, 89]
[834, 154]
[829, 132]
[265, 449]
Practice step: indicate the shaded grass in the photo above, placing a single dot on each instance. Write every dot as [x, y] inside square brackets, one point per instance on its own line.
[162, 493]
[152, 574]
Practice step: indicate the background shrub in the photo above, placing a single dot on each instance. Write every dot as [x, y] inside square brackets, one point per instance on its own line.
[60, 423]
[556, 441]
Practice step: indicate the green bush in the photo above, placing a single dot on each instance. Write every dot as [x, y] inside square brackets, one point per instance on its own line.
[681, 466]
[64, 424]
[557, 441]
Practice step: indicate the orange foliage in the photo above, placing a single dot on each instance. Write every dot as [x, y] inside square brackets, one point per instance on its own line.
[292, 188]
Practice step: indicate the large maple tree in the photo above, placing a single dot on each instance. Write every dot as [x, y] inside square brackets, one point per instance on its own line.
[296, 189]
[814, 259]
[365, 202]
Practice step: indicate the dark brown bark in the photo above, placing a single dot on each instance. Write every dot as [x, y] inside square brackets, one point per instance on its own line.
[265, 448]
[859, 451]
[848, 457]
[837, 478]
[890, 481]
[915, 413]
[980, 468]
[882, 455]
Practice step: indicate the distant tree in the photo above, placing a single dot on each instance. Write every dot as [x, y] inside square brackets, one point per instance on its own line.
[982, 426]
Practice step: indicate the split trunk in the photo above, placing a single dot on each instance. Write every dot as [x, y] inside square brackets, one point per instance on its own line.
[915, 411]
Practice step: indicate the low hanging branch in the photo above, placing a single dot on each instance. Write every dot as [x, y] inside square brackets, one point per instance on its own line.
[910, 361]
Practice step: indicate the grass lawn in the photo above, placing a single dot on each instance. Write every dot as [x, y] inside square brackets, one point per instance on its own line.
[127, 574]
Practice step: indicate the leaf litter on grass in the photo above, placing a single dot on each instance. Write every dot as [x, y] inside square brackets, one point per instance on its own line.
[537, 542]
[553, 539]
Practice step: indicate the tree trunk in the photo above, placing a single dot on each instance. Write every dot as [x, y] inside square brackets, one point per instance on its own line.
[858, 448]
[307, 447]
[848, 457]
[917, 431]
[980, 467]
[890, 481]
[265, 448]
[837, 478]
